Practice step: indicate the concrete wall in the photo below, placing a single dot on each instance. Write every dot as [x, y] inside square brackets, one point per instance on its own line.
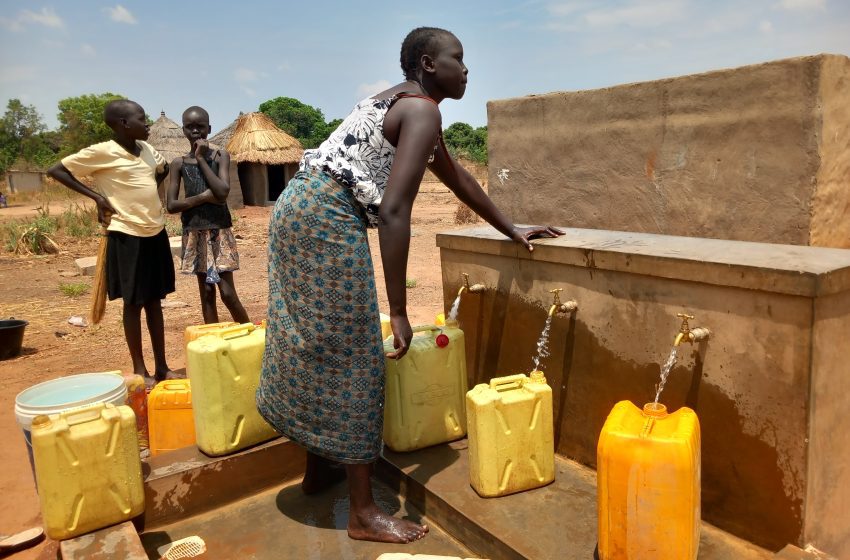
[767, 307]
[25, 181]
[758, 153]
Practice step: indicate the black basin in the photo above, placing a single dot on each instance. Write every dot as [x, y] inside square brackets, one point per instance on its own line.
[11, 337]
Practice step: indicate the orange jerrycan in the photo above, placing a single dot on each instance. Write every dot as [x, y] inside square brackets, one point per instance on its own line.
[88, 469]
[225, 372]
[194, 332]
[511, 441]
[170, 419]
[648, 483]
[425, 390]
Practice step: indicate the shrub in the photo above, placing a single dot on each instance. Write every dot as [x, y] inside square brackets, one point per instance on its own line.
[80, 221]
[74, 289]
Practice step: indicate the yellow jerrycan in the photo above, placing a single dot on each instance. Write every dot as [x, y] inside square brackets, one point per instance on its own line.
[88, 469]
[511, 441]
[425, 390]
[170, 419]
[386, 327]
[225, 372]
[194, 332]
[648, 483]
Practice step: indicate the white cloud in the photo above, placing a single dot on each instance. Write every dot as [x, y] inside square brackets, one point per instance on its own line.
[797, 5]
[639, 14]
[46, 17]
[366, 90]
[20, 73]
[765, 26]
[88, 50]
[250, 92]
[245, 75]
[121, 14]
[563, 9]
[652, 45]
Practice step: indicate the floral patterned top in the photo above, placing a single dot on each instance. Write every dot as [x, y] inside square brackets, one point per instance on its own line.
[357, 155]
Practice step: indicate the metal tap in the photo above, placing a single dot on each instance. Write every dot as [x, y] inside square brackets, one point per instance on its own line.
[688, 334]
[474, 289]
[558, 307]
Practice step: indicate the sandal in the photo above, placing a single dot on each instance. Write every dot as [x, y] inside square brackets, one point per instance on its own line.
[19, 541]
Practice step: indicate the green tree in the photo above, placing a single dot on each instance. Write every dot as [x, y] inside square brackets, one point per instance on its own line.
[22, 136]
[464, 141]
[304, 122]
[81, 120]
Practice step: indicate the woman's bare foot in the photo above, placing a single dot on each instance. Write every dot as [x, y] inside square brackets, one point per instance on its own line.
[372, 524]
[320, 474]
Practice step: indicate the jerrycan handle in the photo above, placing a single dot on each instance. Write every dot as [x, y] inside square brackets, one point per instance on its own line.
[508, 383]
[174, 385]
[426, 328]
[238, 330]
[84, 414]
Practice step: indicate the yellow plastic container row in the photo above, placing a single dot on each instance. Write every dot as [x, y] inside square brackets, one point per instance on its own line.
[511, 442]
[425, 390]
[88, 469]
[225, 372]
[171, 423]
[648, 483]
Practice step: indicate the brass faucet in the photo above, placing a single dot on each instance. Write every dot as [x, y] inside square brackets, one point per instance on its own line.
[688, 334]
[474, 289]
[558, 307]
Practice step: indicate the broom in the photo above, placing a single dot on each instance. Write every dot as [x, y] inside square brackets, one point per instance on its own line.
[98, 304]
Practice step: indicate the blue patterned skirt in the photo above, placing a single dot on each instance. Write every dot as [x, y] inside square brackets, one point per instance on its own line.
[322, 383]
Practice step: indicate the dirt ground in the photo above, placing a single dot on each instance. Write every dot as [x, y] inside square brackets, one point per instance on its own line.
[29, 289]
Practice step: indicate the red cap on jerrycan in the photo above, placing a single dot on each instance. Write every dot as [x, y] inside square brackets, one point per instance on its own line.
[442, 340]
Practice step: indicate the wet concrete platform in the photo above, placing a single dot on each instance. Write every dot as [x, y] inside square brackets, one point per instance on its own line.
[284, 523]
[556, 521]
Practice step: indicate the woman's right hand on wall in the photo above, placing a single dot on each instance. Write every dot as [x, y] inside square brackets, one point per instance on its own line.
[524, 235]
[402, 335]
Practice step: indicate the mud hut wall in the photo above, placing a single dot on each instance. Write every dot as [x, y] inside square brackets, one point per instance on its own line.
[253, 178]
[234, 197]
[758, 153]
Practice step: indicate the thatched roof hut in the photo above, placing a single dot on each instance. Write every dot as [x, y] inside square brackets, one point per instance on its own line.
[258, 140]
[167, 138]
[223, 136]
[266, 158]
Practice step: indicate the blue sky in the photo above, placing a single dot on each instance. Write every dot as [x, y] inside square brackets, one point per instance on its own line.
[231, 56]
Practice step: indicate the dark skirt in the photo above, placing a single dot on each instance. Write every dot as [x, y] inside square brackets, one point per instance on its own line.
[322, 383]
[138, 269]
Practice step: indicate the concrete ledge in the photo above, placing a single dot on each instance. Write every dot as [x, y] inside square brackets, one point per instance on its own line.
[119, 541]
[556, 521]
[86, 265]
[784, 269]
[791, 552]
[186, 482]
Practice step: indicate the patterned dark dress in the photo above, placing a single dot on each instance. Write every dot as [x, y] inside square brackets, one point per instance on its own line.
[322, 383]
